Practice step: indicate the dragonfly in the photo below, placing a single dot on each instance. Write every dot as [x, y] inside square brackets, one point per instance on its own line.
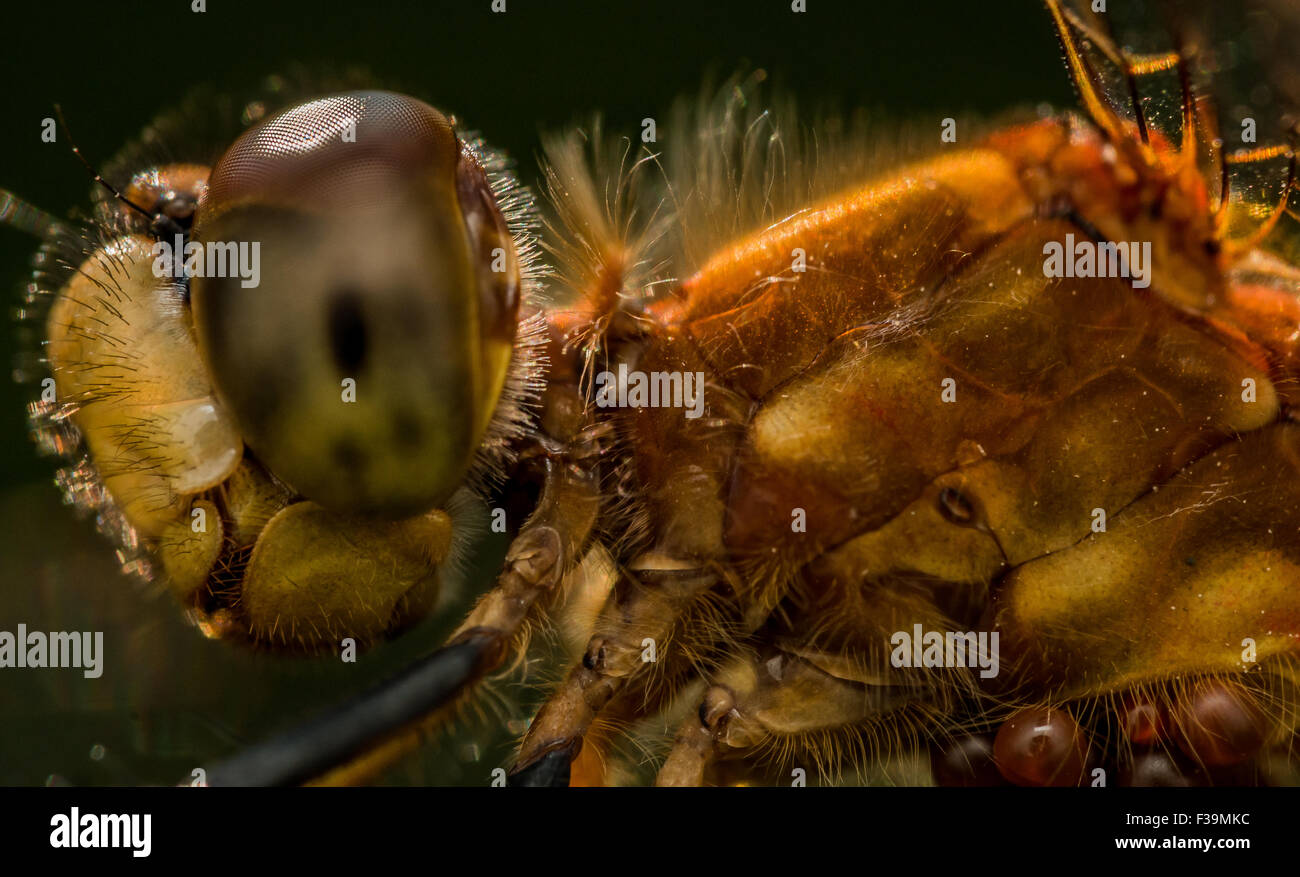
[988, 454]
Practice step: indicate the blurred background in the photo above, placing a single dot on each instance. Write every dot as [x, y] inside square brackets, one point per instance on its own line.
[168, 700]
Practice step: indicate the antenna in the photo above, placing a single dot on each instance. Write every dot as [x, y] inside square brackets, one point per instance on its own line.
[94, 174]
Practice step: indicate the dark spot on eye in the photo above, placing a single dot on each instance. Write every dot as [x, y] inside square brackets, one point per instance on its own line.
[347, 330]
[954, 506]
[407, 431]
[1212, 247]
[348, 454]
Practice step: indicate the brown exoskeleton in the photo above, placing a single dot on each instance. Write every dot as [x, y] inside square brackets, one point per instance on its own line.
[994, 451]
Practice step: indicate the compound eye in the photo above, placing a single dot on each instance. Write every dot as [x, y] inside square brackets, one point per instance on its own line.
[362, 341]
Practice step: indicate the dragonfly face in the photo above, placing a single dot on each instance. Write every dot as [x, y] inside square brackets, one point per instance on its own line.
[798, 441]
[282, 368]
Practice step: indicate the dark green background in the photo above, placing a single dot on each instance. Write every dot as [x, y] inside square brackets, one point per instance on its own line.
[166, 694]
